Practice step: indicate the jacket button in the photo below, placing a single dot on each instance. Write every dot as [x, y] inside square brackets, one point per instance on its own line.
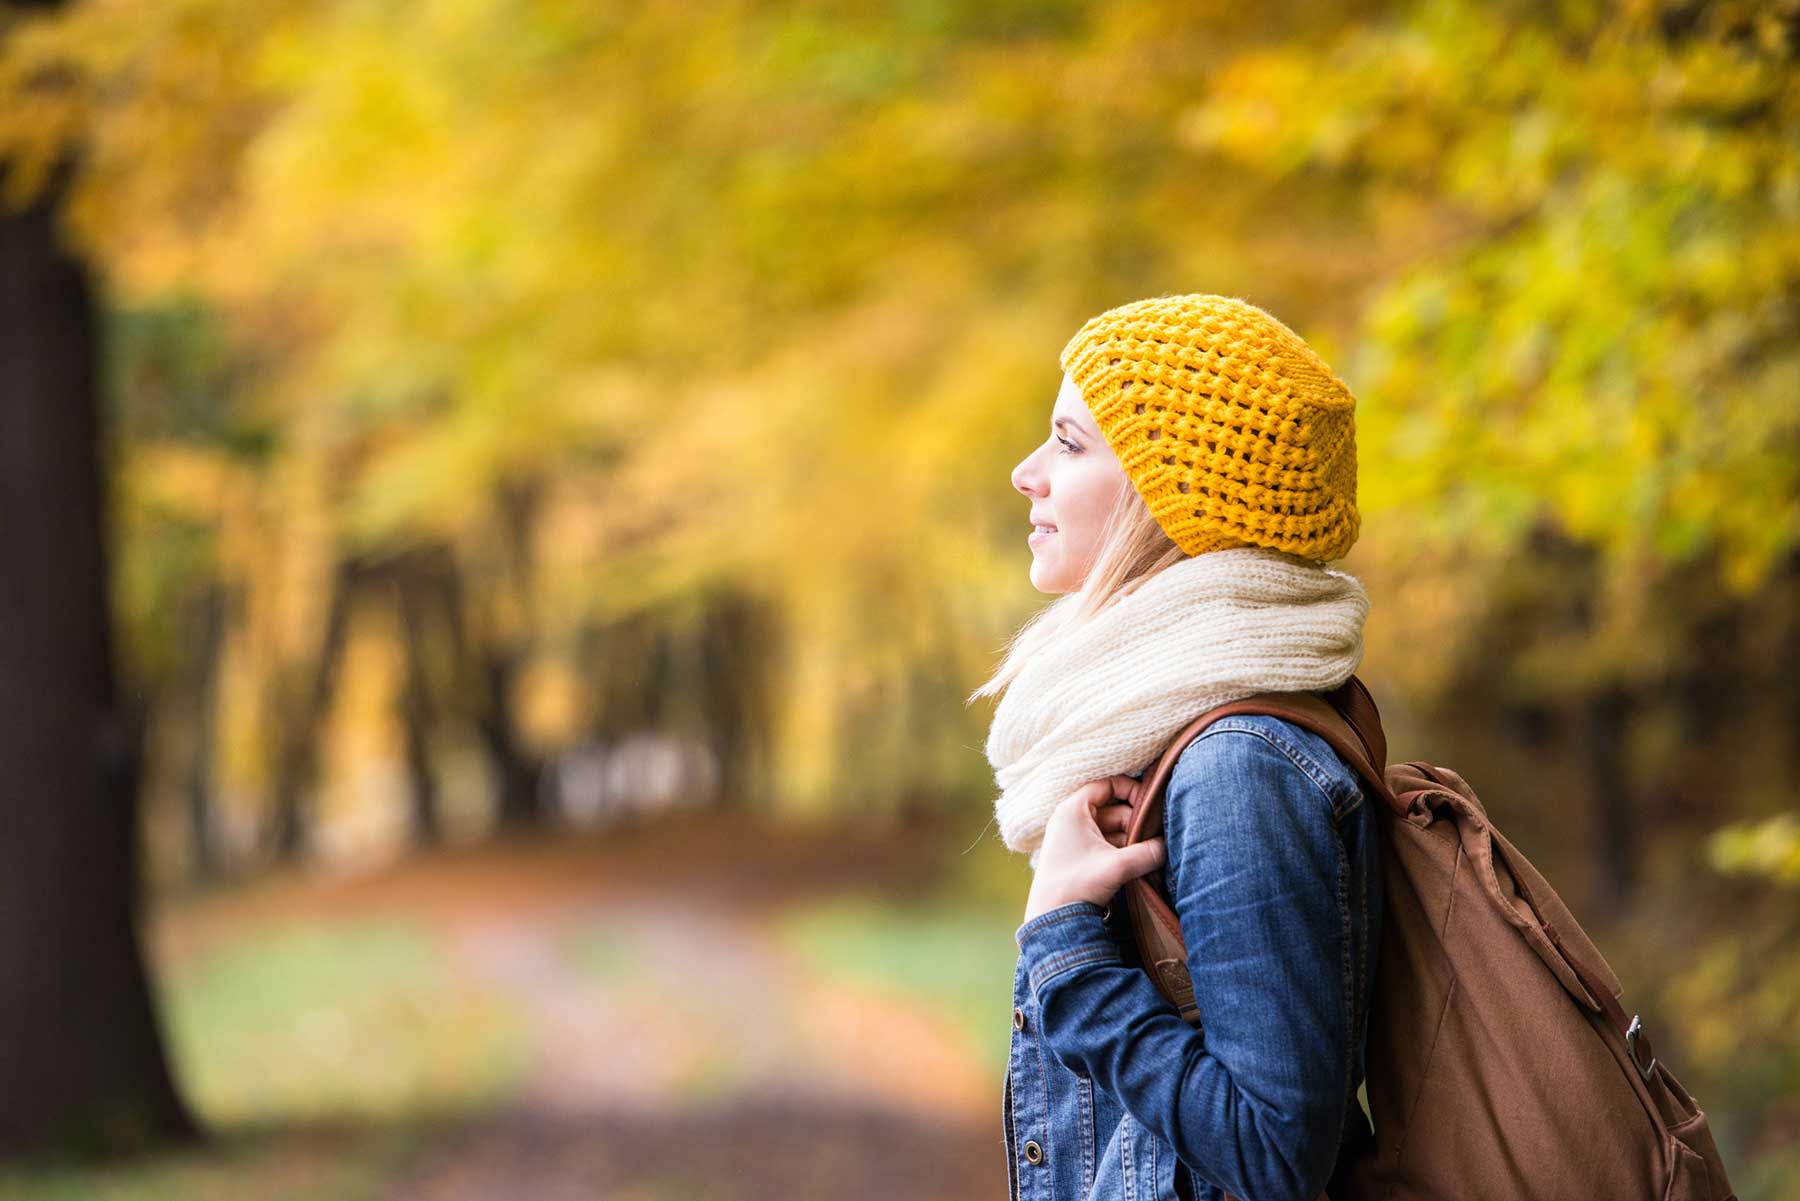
[1018, 1019]
[1033, 1152]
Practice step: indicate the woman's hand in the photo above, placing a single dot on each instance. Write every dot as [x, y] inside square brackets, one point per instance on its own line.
[1084, 856]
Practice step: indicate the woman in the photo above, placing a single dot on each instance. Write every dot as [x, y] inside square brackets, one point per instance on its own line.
[1199, 472]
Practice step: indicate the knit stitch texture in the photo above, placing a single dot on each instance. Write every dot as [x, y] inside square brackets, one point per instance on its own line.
[1233, 430]
[1105, 697]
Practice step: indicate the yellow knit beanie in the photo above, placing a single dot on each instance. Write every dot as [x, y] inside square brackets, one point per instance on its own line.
[1232, 429]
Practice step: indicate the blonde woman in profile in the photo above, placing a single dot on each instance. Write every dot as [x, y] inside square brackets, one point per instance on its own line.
[1197, 475]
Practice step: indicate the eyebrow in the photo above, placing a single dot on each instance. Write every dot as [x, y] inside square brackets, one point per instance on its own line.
[1059, 422]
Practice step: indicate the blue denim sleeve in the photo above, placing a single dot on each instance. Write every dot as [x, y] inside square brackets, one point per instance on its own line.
[1256, 1104]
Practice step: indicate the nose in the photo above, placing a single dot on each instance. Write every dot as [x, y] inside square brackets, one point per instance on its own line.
[1025, 476]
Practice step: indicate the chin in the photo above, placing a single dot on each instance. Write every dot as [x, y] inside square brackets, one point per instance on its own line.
[1046, 581]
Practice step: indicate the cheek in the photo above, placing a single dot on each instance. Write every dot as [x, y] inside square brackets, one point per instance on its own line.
[1094, 495]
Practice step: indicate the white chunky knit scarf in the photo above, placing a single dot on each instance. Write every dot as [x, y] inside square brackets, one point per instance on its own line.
[1106, 697]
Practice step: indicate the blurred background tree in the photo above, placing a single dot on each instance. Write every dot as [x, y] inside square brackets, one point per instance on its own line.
[525, 407]
[84, 1063]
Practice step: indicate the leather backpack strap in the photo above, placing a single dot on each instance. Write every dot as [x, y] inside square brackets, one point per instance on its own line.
[1147, 797]
[1345, 717]
[1353, 703]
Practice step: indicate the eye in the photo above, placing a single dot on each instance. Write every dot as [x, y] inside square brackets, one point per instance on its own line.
[1072, 448]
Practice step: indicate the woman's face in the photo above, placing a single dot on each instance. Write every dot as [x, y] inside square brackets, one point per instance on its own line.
[1072, 480]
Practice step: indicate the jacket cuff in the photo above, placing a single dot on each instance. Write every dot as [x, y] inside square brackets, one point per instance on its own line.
[1062, 939]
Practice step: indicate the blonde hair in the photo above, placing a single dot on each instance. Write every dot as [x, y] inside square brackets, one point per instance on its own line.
[1131, 549]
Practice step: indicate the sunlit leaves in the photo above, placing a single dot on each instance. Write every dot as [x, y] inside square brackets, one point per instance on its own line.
[1769, 848]
[772, 294]
[1621, 341]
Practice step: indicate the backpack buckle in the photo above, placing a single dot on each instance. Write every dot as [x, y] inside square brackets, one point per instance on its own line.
[1633, 1033]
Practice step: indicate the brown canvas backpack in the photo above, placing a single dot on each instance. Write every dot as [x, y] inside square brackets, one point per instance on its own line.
[1501, 1063]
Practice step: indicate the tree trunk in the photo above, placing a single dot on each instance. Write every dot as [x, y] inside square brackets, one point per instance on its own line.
[415, 707]
[738, 646]
[82, 1060]
[484, 674]
[1790, 676]
[1609, 787]
[209, 638]
[297, 734]
[518, 769]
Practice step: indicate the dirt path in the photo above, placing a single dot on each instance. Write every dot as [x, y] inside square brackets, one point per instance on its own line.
[692, 1056]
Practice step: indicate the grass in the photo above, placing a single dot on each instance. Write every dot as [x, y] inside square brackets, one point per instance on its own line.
[321, 1056]
[946, 952]
[951, 947]
[604, 952]
[296, 1165]
[311, 1020]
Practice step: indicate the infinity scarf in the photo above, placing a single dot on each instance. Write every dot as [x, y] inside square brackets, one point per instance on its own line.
[1106, 697]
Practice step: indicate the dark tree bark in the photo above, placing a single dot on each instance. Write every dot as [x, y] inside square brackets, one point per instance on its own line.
[485, 674]
[1712, 693]
[520, 771]
[209, 639]
[81, 1058]
[297, 731]
[659, 681]
[416, 706]
[621, 664]
[734, 652]
[502, 655]
[1791, 675]
[1609, 787]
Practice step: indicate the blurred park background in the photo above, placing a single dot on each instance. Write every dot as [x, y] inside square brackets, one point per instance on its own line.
[503, 501]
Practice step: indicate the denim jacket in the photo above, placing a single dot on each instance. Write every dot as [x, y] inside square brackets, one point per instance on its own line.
[1273, 870]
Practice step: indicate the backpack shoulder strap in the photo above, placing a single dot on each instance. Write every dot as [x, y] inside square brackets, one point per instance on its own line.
[1345, 717]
